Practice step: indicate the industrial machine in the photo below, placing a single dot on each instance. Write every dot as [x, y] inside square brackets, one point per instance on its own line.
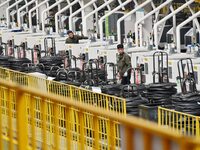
[105, 47]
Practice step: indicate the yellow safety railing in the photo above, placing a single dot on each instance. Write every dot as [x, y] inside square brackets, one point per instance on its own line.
[179, 122]
[76, 93]
[52, 122]
[66, 91]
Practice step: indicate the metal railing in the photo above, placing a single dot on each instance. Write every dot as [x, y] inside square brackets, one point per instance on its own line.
[76, 93]
[54, 122]
[179, 122]
[68, 92]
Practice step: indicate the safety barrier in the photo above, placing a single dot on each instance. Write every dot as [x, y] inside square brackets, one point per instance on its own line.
[68, 92]
[181, 123]
[76, 93]
[54, 122]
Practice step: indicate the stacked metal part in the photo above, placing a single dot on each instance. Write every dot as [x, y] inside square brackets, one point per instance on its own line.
[111, 86]
[133, 94]
[88, 74]
[112, 89]
[9, 61]
[50, 61]
[4, 61]
[15, 57]
[72, 76]
[161, 93]
[187, 103]
[93, 74]
[188, 100]
[18, 64]
[161, 90]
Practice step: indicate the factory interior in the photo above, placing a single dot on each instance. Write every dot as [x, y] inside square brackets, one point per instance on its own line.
[99, 74]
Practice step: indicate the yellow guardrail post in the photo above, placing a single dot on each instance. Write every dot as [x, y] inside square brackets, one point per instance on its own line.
[1, 134]
[147, 141]
[197, 126]
[173, 120]
[49, 116]
[21, 121]
[71, 93]
[10, 126]
[128, 132]
[44, 128]
[177, 125]
[80, 96]
[124, 105]
[82, 137]
[112, 135]
[107, 103]
[68, 128]
[184, 145]
[96, 132]
[9, 76]
[166, 144]
[159, 116]
[47, 84]
[32, 113]
[184, 125]
[56, 126]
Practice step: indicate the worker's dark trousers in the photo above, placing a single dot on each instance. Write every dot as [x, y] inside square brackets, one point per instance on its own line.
[126, 80]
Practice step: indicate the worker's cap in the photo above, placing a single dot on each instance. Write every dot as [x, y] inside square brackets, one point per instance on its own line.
[120, 46]
[69, 31]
